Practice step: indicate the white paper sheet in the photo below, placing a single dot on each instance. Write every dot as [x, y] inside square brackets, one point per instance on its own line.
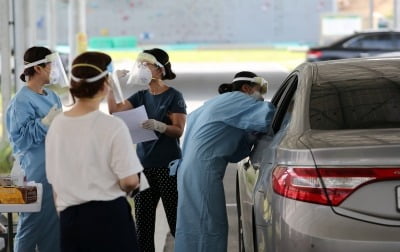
[133, 118]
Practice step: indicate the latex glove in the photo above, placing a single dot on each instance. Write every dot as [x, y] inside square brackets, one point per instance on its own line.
[53, 112]
[121, 73]
[152, 124]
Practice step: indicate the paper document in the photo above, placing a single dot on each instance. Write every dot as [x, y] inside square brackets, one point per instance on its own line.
[133, 118]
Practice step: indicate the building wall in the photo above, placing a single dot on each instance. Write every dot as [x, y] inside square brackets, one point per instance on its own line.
[196, 21]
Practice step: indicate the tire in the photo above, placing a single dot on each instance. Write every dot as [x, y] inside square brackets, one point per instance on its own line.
[239, 215]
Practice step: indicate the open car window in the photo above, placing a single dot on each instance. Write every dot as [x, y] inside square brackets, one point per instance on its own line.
[285, 103]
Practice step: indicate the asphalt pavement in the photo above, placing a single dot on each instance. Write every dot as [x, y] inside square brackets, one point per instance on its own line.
[233, 245]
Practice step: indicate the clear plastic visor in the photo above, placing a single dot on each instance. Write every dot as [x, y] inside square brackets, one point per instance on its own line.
[57, 73]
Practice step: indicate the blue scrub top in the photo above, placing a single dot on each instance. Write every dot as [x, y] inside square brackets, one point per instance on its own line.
[160, 152]
[26, 132]
[216, 133]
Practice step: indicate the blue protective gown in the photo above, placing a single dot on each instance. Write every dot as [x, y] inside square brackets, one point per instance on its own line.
[215, 135]
[27, 135]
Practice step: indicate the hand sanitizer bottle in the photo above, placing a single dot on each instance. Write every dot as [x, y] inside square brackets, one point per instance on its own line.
[17, 174]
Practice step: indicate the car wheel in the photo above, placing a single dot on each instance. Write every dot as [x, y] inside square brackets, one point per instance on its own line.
[239, 215]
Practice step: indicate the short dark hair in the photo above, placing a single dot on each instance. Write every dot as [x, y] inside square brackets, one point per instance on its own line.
[163, 58]
[31, 55]
[83, 89]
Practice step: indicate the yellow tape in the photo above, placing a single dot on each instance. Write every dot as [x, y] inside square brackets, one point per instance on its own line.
[87, 65]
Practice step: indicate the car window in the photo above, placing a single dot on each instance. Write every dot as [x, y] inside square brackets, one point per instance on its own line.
[396, 38]
[288, 114]
[372, 41]
[278, 94]
[285, 105]
[355, 104]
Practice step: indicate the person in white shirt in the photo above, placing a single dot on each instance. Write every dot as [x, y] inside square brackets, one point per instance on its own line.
[90, 162]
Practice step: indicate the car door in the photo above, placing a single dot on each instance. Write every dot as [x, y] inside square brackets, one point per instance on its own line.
[265, 154]
[248, 173]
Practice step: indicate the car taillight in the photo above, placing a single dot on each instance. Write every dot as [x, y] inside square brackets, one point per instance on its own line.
[327, 186]
[314, 54]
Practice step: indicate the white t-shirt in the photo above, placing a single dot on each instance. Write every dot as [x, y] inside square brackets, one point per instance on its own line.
[86, 156]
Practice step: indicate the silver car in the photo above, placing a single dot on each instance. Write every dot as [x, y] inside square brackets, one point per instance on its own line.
[327, 175]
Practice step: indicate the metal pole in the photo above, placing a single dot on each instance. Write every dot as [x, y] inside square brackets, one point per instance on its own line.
[5, 61]
[20, 41]
[77, 25]
[31, 22]
[396, 14]
[334, 6]
[82, 16]
[51, 25]
[71, 30]
[371, 14]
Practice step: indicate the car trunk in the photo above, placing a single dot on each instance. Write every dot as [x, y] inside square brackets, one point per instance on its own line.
[367, 158]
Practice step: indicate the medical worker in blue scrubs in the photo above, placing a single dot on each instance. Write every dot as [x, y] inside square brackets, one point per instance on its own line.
[217, 133]
[28, 118]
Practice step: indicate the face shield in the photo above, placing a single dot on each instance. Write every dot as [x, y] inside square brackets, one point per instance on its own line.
[113, 79]
[140, 73]
[57, 74]
[260, 81]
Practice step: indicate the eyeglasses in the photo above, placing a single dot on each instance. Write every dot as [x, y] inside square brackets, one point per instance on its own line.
[148, 64]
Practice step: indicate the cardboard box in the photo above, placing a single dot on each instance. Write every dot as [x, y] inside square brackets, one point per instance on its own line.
[18, 194]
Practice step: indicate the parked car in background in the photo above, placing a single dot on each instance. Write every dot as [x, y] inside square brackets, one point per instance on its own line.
[357, 45]
[327, 175]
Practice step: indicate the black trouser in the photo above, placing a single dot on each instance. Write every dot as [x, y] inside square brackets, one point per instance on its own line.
[98, 226]
[163, 186]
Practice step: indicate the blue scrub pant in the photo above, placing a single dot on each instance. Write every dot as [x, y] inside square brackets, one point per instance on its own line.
[41, 230]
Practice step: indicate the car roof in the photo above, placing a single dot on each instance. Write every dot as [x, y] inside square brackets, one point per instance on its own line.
[342, 39]
[357, 68]
[375, 31]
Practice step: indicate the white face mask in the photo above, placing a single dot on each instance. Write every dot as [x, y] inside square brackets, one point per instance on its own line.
[140, 75]
[257, 95]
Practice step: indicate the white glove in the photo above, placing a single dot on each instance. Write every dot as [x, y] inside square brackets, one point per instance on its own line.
[53, 112]
[121, 73]
[152, 124]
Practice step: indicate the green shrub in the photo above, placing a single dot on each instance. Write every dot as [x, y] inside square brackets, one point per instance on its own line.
[6, 158]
